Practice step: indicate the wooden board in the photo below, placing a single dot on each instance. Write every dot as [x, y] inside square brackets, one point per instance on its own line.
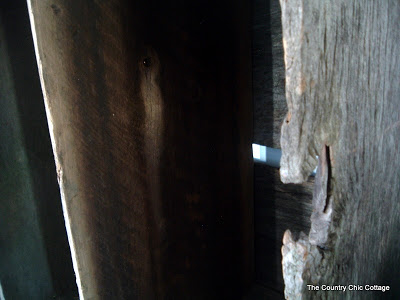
[342, 87]
[268, 73]
[149, 109]
[277, 206]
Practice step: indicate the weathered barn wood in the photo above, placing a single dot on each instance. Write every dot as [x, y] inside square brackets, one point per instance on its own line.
[342, 86]
[149, 108]
[277, 206]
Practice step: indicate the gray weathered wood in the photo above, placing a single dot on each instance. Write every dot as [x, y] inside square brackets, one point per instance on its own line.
[342, 87]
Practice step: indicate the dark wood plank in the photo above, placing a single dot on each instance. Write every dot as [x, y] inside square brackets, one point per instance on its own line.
[259, 292]
[277, 206]
[268, 73]
[149, 116]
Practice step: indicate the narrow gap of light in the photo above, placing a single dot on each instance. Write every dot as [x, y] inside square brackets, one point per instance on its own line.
[256, 151]
[259, 153]
[270, 156]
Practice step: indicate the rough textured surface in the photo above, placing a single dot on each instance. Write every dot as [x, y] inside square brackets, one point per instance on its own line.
[343, 74]
[149, 110]
[277, 206]
[321, 216]
[300, 262]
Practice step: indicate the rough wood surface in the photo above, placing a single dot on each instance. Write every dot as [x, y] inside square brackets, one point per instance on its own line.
[342, 87]
[298, 258]
[149, 110]
[321, 216]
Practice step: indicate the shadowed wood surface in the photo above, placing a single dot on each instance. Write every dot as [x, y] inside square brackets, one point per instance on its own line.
[342, 85]
[149, 110]
[277, 206]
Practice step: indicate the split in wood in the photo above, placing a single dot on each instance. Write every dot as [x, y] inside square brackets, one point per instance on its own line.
[322, 204]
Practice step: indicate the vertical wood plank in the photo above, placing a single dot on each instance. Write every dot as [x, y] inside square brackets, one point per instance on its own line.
[277, 206]
[153, 155]
[342, 75]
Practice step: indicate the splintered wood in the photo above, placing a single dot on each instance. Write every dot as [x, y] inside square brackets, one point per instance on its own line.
[299, 263]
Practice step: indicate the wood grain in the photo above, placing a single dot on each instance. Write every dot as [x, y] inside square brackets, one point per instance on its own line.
[153, 155]
[277, 206]
[342, 62]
